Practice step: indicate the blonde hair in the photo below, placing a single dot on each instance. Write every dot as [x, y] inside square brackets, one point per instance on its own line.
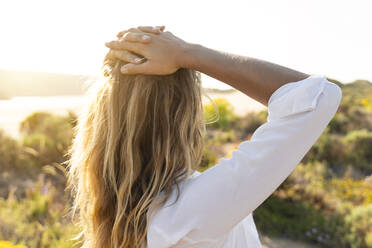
[138, 136]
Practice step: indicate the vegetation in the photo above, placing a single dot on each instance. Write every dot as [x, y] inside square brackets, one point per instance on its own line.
[327, 199]
[224, 118]
[7, 244]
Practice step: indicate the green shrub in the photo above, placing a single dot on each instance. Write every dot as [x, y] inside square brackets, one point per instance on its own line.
[9, 153]
[210, 154]
[224, 137]
[332, 198]
[47, 123]
[341, 152]
[354, 113]
[367, 104]
[351, 118]
[329, 148]
[251, 121]
[37, 220]
[48, 136]
[223, 118]
[359, 149]
[360, 118]
[360, 223]
[299, 221]
[350, 190]
[340, 123]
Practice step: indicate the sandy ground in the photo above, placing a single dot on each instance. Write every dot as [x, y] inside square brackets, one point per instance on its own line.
[282, 243]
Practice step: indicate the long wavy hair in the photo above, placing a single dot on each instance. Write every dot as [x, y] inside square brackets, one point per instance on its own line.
[139, 135]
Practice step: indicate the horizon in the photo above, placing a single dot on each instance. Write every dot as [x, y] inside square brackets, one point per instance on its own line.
[97, 77]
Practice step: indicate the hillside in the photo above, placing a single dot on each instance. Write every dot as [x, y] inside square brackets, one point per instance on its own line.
[357, 87]
[23, 83]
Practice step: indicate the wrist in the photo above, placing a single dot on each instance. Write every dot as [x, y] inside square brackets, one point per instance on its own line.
[187, 57]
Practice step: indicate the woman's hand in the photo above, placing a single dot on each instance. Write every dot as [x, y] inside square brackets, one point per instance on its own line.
[163, 50]
[128, 56]
[148, 29]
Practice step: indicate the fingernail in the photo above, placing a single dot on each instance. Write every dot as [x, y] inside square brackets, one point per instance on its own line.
[137, 60]
[145, 37]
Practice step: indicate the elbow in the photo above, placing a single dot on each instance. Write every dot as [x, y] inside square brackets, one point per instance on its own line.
[334, 96]
[316, 95]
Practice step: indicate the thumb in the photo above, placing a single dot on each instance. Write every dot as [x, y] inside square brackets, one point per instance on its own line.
[135, 68]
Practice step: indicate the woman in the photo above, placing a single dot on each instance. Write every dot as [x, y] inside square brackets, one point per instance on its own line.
[138, 145]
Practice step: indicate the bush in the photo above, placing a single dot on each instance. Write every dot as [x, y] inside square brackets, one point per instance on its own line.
[47, 123]
[350, 190]
[37, 220]
[330, 197]
[297, 220]
[351, 117]
[223, 117]
[9, 153]
[359, 149]
[211, 151]
[316, 183]
[342, 152]
[223, 137]
[360, 223]
[330, 149]
[48, 136]
[7, 244]
[251, 121]
[340, 124]
[367, 104]
[308, 183]
[42, 147]
[360, 118]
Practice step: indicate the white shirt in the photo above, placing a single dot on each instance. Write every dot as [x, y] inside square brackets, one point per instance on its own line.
[215, 207]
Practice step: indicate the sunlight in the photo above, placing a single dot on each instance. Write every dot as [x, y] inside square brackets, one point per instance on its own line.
[68, 36]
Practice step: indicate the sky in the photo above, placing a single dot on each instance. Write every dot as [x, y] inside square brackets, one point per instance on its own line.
[331, 38]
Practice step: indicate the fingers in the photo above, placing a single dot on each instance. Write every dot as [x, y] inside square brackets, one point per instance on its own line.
[162, 28]
[125, 56]
[152, 29]
[125, 45]
[121, 33]
[136, 37]
[149, 29]
[136, 69]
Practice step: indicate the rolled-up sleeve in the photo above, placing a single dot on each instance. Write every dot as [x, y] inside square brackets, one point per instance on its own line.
[211, 204]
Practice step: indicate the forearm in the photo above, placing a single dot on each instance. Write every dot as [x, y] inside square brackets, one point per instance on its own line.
[256, 78]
